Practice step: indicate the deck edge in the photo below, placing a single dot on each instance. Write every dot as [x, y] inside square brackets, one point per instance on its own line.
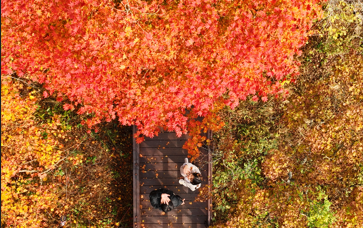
[136, 181]
[210, 183]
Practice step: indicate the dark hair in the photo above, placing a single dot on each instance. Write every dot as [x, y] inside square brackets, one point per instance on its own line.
[196, 180]
[166, 208]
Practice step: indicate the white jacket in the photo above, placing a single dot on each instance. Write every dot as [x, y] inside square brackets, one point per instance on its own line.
[186, 181]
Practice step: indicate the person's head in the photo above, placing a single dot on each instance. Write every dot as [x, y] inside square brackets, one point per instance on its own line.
[196, 179]
[167, 207]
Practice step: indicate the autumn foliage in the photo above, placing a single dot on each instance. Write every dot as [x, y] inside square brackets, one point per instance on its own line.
[147, 62]
[298, 162]
[18, 154]
[53, 172]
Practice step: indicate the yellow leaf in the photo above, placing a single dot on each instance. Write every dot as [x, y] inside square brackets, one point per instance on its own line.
[128, 31]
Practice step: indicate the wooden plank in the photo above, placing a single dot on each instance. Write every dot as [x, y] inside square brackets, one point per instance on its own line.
[176, 225]
[173, 219]
[165, 174]
[152, 160]
[189, 198]
[160, 183]
[167, 136]
[145, 204]
[136, 183]
[172, 184]
[147, 151]
[163, 143]
[161, 165]
[177, 188]
[177, 211]
[167, 159]
[186, 196]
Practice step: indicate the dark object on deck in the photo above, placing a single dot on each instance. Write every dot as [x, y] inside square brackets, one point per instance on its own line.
[155, 199]
[156, 165]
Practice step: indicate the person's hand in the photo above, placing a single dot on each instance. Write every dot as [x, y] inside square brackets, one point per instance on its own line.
[182, 182]
[165, 199]
[183, 202]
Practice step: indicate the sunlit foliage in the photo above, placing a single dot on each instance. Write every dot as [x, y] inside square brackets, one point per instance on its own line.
[309, 146]
[148, 62]
[28, 153]
[52, 171]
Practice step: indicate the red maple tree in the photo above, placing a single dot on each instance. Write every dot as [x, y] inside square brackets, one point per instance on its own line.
[147, 62]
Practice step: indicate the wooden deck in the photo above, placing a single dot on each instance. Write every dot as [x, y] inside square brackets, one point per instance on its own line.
[157, 163]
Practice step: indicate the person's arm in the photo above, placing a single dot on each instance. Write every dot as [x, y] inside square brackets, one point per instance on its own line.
[183, 167]
[155, 197]
[187, 179]
[188, 184]
[182, 170]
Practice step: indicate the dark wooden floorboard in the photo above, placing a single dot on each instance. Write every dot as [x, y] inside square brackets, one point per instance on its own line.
[163, 143]
[158, 183]
[155, 151]
[167, 136]
[161, 165]
[177, 211]
[186, 196]
[164, 174]
[146, 205]
[176, 188]
[176, 225]
[165, 158]
[173, 219]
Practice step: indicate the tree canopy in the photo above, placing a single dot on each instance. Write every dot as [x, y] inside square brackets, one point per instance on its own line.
[147, 62]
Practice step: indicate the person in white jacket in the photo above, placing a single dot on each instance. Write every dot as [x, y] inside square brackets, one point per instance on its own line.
[191, 174]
